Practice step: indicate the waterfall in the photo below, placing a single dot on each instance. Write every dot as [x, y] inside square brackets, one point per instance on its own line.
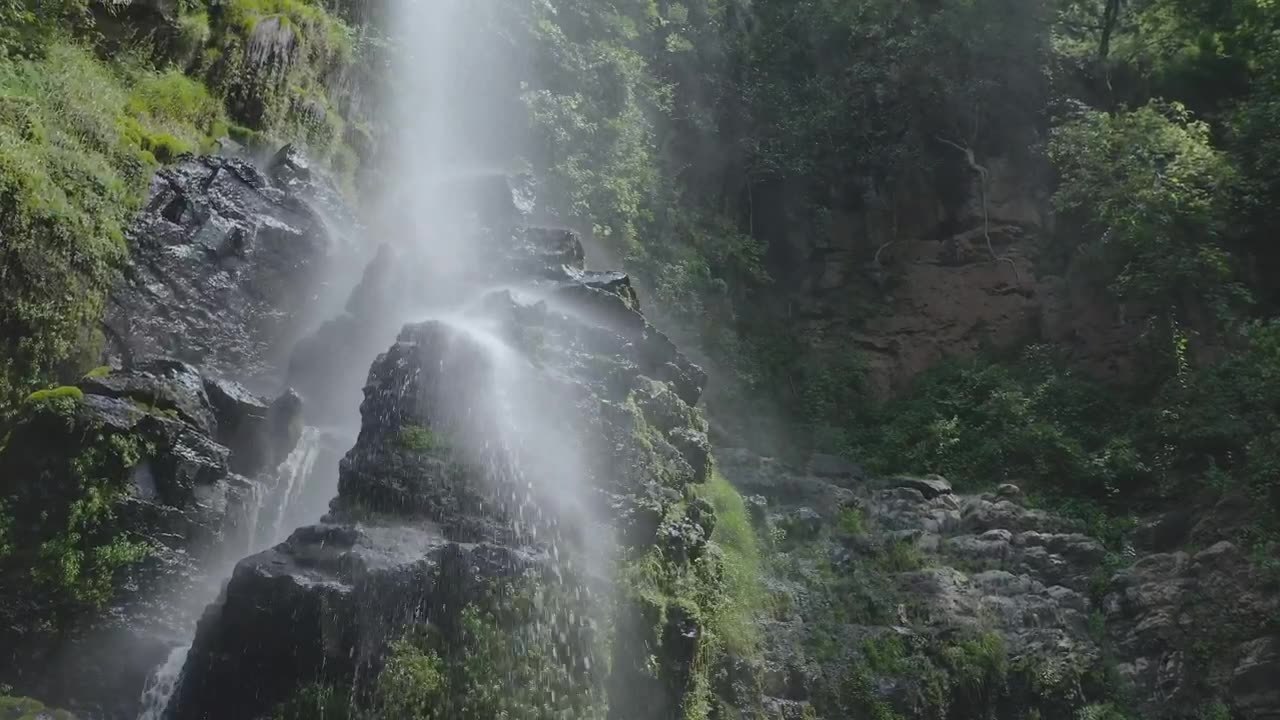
[266, 504]
[257, 498]
[161, 684]
[292, 480]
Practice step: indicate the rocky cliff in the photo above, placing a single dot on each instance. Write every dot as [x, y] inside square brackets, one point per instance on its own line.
[529, 467]
[899, 597]
[134, 490]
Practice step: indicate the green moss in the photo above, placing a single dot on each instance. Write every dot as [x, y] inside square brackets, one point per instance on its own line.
[735, 619]
[16, 708]
[296, 106]
[65, 393]
[152, 409]
[419, 439]
[99, 372]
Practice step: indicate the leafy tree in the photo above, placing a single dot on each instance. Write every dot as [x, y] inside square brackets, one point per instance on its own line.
[1147, 189]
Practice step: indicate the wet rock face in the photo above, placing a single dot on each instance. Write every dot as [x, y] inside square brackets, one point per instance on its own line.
[225, 259]
[158, 456]
[522, 443]
[394, 286]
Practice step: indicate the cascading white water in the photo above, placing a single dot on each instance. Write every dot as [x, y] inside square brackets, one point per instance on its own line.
[292, 478]
[257, 498]
[265, 526]
[161, 684]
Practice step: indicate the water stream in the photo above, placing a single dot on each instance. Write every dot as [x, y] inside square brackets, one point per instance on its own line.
[267, 513]
[161, 684]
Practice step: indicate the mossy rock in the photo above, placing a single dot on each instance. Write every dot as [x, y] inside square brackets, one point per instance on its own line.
[65, 393]
[16, 708]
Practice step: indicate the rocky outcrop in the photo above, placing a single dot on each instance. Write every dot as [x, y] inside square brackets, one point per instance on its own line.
[225, 262]
[128, 493]
[1195, 620]
[524, 446]
[910, 282]
[891, 587]
[329, 365]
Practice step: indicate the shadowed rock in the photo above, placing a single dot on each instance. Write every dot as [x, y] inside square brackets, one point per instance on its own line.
[224, 263]
[174, 463]
[523, 442]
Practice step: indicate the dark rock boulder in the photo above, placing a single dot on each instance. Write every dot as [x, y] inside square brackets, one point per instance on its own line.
[125, 495]
[521, 442]
[224, 265]
[1189, 628]
[930, 486]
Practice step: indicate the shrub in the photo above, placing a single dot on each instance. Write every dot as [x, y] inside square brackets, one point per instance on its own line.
[851, 522]
[416, 438]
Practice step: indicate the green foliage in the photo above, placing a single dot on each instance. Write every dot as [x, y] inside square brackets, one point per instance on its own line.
[418, 439]
[80, 560]
[1213, 711]
[412, 682]
[606, 112]
[504, 663]
[977, 668]
[171, 114]
[79, 138]
[1218, 424]
[1105, 711]
[900, 556]
[851, 522]
[858, 696]
[1150, 191]
[24, 24]
[62, 533]
[291, 100]
[847, 90]
[980, 423]
[68, 185]
[1093, 452]
[318, 702]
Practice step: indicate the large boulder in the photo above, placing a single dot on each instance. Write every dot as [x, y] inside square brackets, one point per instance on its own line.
[225, 263]
[519, 448]
[125, 497]
[1192, 628]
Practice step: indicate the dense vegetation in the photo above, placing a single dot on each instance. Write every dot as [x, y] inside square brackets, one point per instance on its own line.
[89, 110]
[673, 128]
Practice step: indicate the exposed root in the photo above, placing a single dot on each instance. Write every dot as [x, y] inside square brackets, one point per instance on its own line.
[986, 216]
